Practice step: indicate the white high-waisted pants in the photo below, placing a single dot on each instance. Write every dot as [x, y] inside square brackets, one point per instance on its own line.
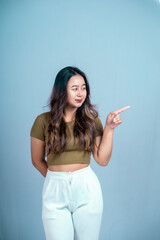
[72, 205]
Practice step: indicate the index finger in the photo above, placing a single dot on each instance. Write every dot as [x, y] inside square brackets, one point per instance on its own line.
[121, 109]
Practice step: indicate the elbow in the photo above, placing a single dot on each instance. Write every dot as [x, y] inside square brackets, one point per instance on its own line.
[104, 163]
[34, 163]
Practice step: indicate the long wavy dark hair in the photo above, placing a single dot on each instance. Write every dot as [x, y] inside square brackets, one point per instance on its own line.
[84, 129]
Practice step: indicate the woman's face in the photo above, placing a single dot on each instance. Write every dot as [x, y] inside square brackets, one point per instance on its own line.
[76, 89]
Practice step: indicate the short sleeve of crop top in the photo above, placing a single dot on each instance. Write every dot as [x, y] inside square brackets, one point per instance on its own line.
[38, 128]
[99, 127]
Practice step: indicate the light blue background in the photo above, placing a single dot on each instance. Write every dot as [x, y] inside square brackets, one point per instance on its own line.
[117, 44]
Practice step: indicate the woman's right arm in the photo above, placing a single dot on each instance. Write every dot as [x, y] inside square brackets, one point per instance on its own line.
[38, 155]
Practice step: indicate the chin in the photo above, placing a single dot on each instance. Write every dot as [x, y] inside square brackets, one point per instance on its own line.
[79, 104]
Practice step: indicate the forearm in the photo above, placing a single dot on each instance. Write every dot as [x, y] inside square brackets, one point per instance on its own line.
[41, 166]
[105, 148]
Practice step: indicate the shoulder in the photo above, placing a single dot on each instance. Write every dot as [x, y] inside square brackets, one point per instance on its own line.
[42, 120]
[39, 126]
[44, 117]
[99, 126]
[97, 120]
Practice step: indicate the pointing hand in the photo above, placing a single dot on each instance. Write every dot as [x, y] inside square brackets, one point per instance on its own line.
[114, 119]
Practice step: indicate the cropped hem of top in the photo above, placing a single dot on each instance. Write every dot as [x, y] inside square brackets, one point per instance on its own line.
[73, 153]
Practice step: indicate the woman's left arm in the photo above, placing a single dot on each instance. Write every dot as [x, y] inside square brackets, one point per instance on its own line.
[103, 146]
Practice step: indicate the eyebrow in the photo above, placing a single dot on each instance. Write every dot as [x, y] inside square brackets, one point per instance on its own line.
[78, 85]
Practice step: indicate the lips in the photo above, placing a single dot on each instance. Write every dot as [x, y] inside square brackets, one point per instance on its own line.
[78, 100]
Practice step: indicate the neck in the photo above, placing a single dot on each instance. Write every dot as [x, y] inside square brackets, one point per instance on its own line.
[69, 114]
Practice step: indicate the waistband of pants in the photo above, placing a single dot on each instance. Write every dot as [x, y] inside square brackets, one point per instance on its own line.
[69, 174]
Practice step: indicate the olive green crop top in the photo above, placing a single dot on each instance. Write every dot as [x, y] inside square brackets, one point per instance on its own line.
[73, 153]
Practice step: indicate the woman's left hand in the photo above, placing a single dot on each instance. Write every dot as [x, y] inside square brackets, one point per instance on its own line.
[114, 119]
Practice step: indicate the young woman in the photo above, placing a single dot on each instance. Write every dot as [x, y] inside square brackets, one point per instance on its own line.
[72, 201]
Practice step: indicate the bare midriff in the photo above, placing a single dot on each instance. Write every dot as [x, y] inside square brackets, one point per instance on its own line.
[67, 167]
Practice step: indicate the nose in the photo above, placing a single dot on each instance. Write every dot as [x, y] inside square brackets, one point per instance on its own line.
[79, 93]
